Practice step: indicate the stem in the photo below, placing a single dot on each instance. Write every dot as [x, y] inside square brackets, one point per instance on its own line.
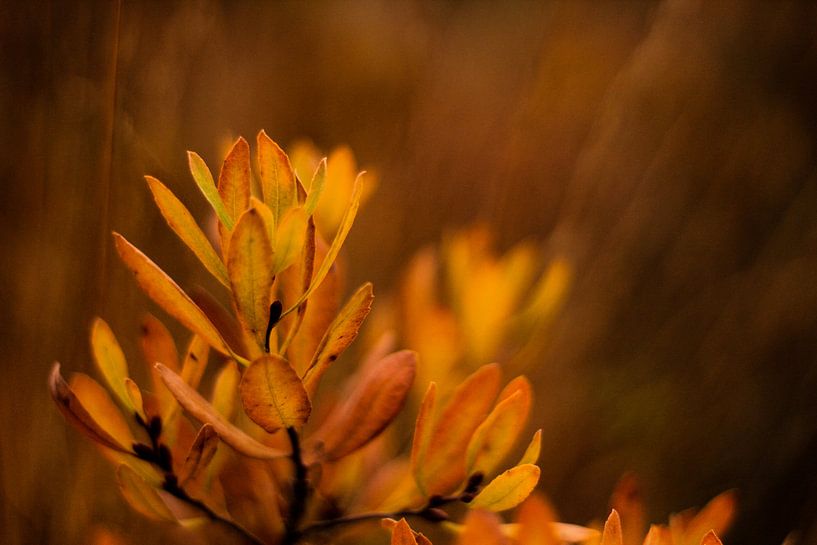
[300, 491]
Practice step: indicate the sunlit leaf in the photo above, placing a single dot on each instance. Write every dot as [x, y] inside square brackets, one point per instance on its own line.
[202, 411]
[371, 405]
[482, 528]
[508, 489]
[141, 496]
[234, 186]
[204, 179]
[167, 294]
[531, 454]
[184, 225]
[423, 429]
[339, 336]
[441, 467]
[316, 188]
[277, 177]
[289, 238]
[612, 530]
[158, 346]
[250, 266]
[135, 396]
[536, 522]
[110, 360]
[225, 390]
[195, 361]
[200, 454]
[273, 395]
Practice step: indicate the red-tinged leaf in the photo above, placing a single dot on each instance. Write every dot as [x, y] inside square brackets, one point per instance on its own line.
[531, 454]
[74, 411]
[339, 336]
[141, 496]
[423, 427]
[612, 530]
[369, 407]
[250, 266]
[195, 361]
[277, 177]
[482, 528]
[204, 179]
[200, 455]
[167, 294]
[401, 534]
[710, 538]
[202, 411]
[536, 522]
[441, 467]
[273, 395]
[234, 186]
[182, 223]
[508, 490]
[110, 360]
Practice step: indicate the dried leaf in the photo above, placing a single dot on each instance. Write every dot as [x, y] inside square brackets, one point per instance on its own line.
[202, 411]
[273, 395]
[167, 294]
[290, 237]
[277, 177]
[339, 336]
[423, 428]
[612, 530]
[110, 360]
[141, 496]
[200, 455]
[531, 455]
[371, 405]
[204, 179]
[234, 186]
[536, 522]
[508, 489]
[316, 188]
[184, 225]
[250, 266]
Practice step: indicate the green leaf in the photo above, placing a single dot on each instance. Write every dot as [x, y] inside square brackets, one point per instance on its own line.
[204, 179]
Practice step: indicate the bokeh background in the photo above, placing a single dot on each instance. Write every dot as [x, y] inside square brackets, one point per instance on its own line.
[667, 148]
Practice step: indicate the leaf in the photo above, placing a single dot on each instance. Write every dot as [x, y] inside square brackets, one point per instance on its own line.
[204, 179]
[74, 411]
[223, 320]
[202, 411]
[225, 390]
[536, 522]
[422, 429]
[135, 396]
[316, 188]
[110, 360]
[401, 534]
[234, 186]
[711, 539]
[167, 294]
[158, 346]
[184, 225]
[612, 530]
[627, 500]
[441, 467]
[195, 361]
[482, 528]
[531, 455]
[659, 535]
[496, 436]
[508, 489]
[200, 455]
[372, 404]
[277, 177]
[250, 266]
[290, 237]
[273, 395]
[339, 336]
[141, 496]
[716, 515]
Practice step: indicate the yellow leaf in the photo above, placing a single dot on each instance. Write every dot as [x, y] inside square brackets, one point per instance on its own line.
[101, 407]
[273, 395]
[373, 402]
[290, 237]
[423, 428]
[75, 412]
[225, 390]
[204, 179]
[158, 346]
[167, 294]
[277, 177]
[195, 361]
[200, 454]
[141, 496]
[339, 336]
[316, 188]
[496, 436]
[182, 223]
[710, 538]
[536, 522]
[441, 468]
[482, 528]
[202, 411]
[508, 489]
[531, 455]
[250, 266]
[135, 396]
[234, 186]
[110, 360]
[612, 530]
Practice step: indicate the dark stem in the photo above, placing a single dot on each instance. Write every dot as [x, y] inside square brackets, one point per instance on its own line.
[300, 491]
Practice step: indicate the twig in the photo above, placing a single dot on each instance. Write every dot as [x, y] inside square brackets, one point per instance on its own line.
[300, 491]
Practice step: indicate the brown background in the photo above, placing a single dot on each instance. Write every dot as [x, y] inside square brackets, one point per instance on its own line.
[668, 148]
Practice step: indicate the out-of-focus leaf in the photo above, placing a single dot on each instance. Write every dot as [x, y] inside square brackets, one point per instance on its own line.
[225, 390]
[339, 336]
[195, 361]
[110, 360]
[223, 320]
[716, 515]
[371, 405]
[531, 454]
[482, 528]
[234, 186]
[508, 489]
[612, 530]
[441, 468]
[496, 436]
[658, 535]
[250, 266]
[74, 411]
[536, 522]
[402, 534]
[710, 538]
[423, 427]
[204, 179]
[628, 502]
[101, 407]
[184, 225]
[158, 346]
[202, 411]
[277, 177]
[290, 236]
[142, 496]
[200, 454]
[273, 395]
[167, 294]
[316, 188]
[135, 396]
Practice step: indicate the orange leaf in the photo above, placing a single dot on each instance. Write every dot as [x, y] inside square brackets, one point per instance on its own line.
[201, 453]
[612, 530]
[195, 361]
[710, 538]
[273, 395]
[658, 535]
[628, 502]
[423, 428]
[401, 534]
[277, 177]
[234, 186]
[158, 346]
[141, 496]
[716, 515]
[536, 522]
[482, 528]
[531, 454]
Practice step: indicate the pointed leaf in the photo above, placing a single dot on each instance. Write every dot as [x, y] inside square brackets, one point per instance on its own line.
[531, 455]
[612, 530]
[167, 294]
[339, 336]
[423, 427]
[316, 188]
[659, 535]
[536, 522]
[711, 539]
[141, 496]
[509, 489]
[202, 411]
[195, 361]
[135, 396]
[110, 360]
[277, 177]
[204, 179]
[200, 455]
[250, 266]
[290, 237]
[716, 515]
[234, 186]
[182, 223]
[273, 395]
[401, 534]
